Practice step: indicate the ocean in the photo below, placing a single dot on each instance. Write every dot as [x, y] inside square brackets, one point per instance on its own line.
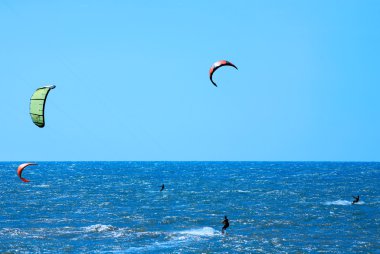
[117, 207]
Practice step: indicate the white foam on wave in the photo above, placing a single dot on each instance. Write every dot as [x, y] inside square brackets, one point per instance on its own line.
[12, 232]
[43, 186]
[342, 202]
[338, 202]
[236, 191]
[99, 228]
[172, 239]
[205, 231]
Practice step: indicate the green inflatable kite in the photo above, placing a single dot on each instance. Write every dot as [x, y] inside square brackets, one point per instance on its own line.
[37, 105]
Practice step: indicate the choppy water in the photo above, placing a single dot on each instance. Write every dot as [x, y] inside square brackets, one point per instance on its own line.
[273, 207]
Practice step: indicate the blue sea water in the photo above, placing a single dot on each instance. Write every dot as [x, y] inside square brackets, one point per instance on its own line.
[117, 207]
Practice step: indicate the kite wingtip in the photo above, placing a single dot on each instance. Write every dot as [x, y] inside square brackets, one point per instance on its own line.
[51, 86]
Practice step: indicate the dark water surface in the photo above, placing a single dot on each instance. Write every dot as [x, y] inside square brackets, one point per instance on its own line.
[273, 207]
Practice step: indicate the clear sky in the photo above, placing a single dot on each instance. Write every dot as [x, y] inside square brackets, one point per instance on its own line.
[132, 80]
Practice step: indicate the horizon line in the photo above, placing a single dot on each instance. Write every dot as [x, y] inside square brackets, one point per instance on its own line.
[329, 161]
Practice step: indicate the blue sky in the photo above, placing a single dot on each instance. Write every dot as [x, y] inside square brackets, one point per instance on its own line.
[132, 80]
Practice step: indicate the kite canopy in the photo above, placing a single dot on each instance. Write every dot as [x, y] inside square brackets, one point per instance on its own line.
[217, 65]
[21, 168]
[37, 105]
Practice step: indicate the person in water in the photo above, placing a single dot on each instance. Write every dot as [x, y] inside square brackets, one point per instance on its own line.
[162, 187]
[356, 199]
[226, 224]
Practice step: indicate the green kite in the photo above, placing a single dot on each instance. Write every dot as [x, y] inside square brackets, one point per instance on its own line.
[37, 105]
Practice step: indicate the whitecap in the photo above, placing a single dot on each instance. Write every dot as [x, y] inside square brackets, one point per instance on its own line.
[42, 186]
[205, 231]
[338, 202]
[99, 228]
[12, 232]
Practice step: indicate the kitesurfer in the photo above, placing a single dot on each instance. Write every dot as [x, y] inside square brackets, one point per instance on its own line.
[226, 224]
[356, 199]
[162, 187]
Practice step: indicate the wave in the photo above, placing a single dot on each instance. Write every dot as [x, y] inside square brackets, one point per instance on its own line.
[235, 191]
[99, 228]
[205, 231]
[170, 219]
[174, 240]
[42, 186]
[342, 202]
[12, 232]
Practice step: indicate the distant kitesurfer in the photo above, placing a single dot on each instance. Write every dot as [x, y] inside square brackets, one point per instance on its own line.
[162, 187]
[226, 224]
[356, 199]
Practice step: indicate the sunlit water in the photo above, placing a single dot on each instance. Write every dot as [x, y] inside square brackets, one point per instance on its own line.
[273, 207]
